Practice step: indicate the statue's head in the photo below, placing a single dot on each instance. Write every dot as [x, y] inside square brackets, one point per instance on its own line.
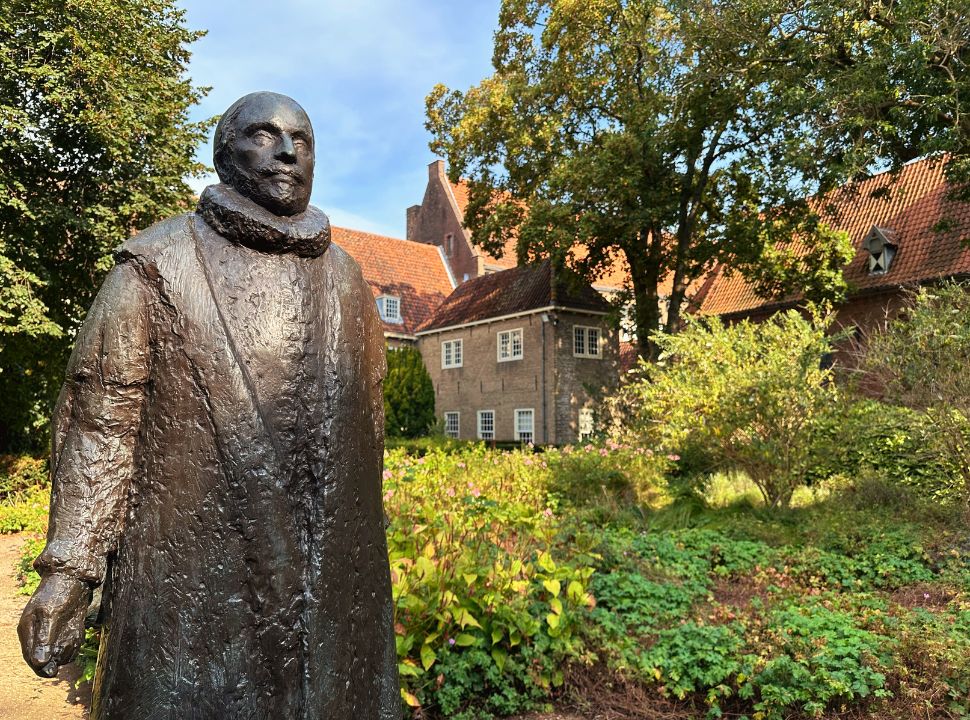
[264, 149]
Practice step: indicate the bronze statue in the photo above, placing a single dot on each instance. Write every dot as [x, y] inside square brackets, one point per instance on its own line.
[216, 461]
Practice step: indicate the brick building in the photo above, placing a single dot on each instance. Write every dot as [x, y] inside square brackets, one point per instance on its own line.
[520, 355]
[906, 232]
[409, 280]
[438, 221]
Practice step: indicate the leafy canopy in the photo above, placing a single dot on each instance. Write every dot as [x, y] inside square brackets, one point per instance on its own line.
[95, 143]
[676, 134]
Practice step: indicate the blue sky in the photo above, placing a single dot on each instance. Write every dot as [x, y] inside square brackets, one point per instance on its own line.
[362, 69]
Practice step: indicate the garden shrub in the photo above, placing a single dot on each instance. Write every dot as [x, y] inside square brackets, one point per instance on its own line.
[920, 361]
[24, 494]
[868, 438]
[408, 394]
[750, 396]
[480, 585]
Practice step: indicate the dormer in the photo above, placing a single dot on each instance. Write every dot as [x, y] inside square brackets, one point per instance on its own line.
[881, 246]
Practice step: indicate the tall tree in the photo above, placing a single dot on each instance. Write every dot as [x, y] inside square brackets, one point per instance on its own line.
[681, 133]
[95, 143]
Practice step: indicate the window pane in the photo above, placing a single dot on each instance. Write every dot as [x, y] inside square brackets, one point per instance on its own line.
[579, 341]
[457, 352]
[446, 353]
[516, 343]
[452, 424]
[524, 425]
[594, 341]
[486, 425]
[503, 345]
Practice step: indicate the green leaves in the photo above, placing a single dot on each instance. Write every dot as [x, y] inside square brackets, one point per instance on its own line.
[478, 574]
[95, 143]
[408, 394]
[749, 396]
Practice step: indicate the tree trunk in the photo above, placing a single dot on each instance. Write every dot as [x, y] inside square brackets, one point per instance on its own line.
[645, 274]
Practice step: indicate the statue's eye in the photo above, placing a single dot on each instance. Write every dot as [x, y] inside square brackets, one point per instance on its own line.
[262, 137]
[300, 143]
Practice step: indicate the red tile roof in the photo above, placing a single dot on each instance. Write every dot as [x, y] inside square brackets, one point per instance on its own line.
[929, 227]
[513, 291]
[412, 271]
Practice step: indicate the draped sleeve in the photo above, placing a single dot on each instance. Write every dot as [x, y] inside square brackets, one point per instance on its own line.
[96, 427]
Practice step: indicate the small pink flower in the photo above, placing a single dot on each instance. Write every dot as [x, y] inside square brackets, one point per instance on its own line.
[461, 465]
[388, 474]
[603, 452]
[451, 641]
[450, 492]
[544, 466]
[389, 494]
[421, 461]
[476, 492]
[673, 458]
[547, 512]
[587, 448]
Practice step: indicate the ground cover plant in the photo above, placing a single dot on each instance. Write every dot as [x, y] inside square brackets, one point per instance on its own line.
[578, 577]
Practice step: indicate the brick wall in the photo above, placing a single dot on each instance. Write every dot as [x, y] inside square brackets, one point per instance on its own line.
[437, 217]
[581, 382]
[483, 383]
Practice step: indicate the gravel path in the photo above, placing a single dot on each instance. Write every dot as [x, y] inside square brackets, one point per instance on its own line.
[23, 695]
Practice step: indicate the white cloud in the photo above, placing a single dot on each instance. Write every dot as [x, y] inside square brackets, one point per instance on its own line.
[361, 69]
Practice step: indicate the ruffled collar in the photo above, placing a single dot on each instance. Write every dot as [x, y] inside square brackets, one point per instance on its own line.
[240, 220]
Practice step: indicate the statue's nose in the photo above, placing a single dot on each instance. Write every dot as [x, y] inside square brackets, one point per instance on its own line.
[286, 151]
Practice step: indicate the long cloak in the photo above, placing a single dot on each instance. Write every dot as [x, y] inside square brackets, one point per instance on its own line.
[216, 463]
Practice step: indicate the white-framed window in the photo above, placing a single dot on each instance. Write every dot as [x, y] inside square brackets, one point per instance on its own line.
[452, 424]
[486, 424]
[585, 423]
[586, 341]
[389, 306]
[525, 425]
[451, 354]
[510, 345]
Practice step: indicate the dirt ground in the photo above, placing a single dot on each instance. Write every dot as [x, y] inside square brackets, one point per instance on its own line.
[23, 695]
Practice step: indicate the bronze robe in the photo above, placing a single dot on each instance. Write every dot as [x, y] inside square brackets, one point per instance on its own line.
[217, 463]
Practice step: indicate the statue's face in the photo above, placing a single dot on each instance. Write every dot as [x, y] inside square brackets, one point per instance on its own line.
[271, 154]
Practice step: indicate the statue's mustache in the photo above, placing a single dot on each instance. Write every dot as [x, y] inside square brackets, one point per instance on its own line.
[270, 170]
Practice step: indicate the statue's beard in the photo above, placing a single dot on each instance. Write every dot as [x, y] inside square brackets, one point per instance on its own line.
[282, 189]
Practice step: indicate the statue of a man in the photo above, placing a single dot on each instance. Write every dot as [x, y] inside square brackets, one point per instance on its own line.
[216, 460]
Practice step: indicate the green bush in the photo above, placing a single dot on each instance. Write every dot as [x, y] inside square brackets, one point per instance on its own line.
[872, 438]
[920, 361]
[487, 598]
[750, 397]
[408, 394]
[24, 494]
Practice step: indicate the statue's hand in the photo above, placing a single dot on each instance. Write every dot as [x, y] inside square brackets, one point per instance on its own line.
[52, 627]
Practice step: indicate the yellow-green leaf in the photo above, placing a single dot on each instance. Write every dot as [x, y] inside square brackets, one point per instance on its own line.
[464, 640]
[553, 586]
[428, 656]
[499, 656]
[553, 620]
[410, 699]
[556, 605]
